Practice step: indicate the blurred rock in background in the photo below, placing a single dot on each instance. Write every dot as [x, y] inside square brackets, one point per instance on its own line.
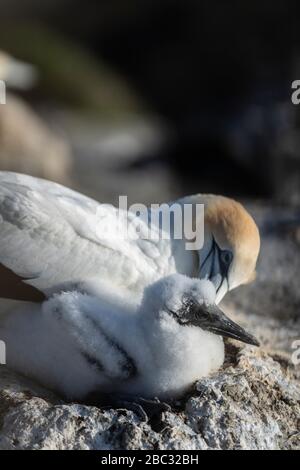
[109, 128]
[27, 145]
[15, 73]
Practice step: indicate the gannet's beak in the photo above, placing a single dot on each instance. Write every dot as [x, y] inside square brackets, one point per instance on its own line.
[211, 318]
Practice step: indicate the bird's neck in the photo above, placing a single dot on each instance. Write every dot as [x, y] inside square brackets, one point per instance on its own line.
[174, 228]
[186, 261]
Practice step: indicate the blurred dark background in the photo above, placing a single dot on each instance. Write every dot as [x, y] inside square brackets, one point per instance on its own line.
[157, 99]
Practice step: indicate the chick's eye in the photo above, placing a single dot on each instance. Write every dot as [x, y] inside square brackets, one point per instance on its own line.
[226, 257]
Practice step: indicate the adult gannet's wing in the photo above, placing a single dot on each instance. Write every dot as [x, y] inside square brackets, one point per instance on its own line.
[52, 238]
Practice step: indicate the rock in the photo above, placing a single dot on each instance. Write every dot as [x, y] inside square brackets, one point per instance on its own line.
[28, 145]
[254, 404]
[275, 292]
[15, 73]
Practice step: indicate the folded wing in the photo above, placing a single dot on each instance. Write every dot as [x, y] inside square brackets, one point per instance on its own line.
[52, 238]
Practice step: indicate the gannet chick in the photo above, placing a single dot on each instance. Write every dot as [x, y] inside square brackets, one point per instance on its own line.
[77, 344]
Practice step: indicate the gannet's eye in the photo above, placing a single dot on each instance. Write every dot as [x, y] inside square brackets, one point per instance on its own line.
[226, 257]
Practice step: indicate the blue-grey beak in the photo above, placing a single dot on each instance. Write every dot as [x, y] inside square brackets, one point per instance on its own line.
[217, 322]
[211, 318]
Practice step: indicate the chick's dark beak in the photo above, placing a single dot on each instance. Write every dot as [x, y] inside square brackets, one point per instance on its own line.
[211, 318]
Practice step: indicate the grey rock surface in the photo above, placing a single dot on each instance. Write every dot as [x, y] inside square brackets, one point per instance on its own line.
[253, 404]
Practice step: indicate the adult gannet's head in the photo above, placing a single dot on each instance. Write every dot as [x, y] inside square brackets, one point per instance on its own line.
[16, 73]
[191, 302]
[231, 243]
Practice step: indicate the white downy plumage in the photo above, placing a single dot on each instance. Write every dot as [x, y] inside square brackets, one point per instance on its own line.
[77, 344]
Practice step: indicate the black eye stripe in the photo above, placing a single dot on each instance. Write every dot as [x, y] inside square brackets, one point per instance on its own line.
[212, 266]
[212, 249]
[225, 279]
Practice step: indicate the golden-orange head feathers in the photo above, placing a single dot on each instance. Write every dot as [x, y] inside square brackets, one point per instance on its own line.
[234, 229]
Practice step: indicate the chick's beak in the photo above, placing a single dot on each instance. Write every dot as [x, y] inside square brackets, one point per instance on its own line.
[212, 319]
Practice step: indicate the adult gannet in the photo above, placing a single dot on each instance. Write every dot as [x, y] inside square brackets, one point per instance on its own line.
[78, 344]
[54, 239]
[15, 73]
